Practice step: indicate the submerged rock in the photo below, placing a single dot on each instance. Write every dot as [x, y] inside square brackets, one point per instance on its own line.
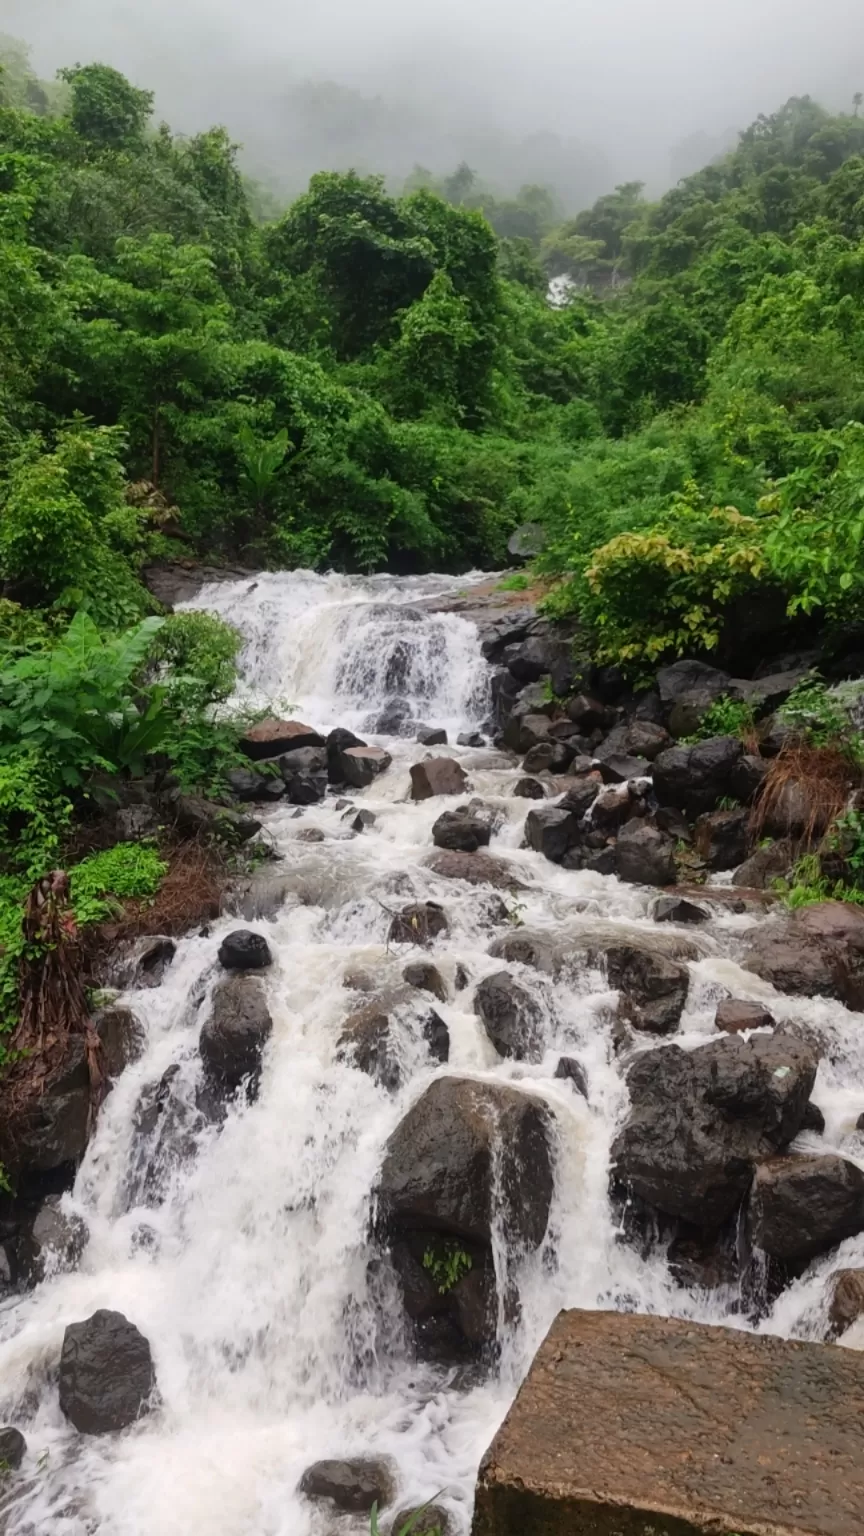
[734, 1015]
[652, 988]
[353, 1486]
[462, 831]
[232, 1040]
[847, 1298]
[426, 977]
[107, 1378]
[420, 923]
[13, 1448]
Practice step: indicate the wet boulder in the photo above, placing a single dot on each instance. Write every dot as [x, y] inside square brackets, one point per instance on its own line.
[197, 817]
[511, 1017]
[817, 951]
[700, 1121]
[362, 765]
[734, 1015]
[552, 756]
[13, 1448]
[721, 838]
[353, 1486]
[419, 923]
[460, 830]
[107, 1378]
[766, 865]
[526, 730]
[431, 736]
[475, 868]
[246, 784]
[747, 777]
[569, 1070]
[802, 1206]
[437, 776]
[615, 805]
[233, 1038]
[645, 855]
[304, 774]
[552, 831]
[534, 658]
[589, 714]
[847, 1298]
[142, 962]
[425, 977]
[677, 909]
[621, 767]
[53, 1242]
[466, 1154]
[694, 778]
[687, 689]
[338, 742]
[426, 1520]
[652, 989]
[270, 738]
[122, 1035]
[527, 788]
[49, 1129]
[527, 948]
[244, 950]
[367, 1042]
[581, 795]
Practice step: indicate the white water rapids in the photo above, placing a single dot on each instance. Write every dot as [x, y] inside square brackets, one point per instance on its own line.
[251, 1276]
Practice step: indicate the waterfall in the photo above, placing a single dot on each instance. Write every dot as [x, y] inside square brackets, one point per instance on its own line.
[244, 1256]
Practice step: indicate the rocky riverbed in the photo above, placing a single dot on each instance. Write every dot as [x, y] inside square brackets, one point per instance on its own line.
[464, 1052]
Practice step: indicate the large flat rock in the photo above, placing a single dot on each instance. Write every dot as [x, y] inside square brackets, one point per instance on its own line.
[647, 1426]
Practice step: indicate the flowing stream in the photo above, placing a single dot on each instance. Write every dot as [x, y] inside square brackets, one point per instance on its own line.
[246, 1261]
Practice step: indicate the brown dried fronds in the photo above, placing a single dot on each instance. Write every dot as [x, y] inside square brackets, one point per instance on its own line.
[805, 788]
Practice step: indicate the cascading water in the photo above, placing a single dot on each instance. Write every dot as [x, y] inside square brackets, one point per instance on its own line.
[242, 1250]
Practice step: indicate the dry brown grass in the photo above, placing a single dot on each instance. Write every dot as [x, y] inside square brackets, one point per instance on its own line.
[804, 789]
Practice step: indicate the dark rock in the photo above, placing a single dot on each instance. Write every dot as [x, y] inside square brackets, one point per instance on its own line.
[197, 817]
[589, 714]
[107, 1378]
[244, 950]
[466, 1154]
[645, 739]
[774, 734]
[360, 821]
[645, 855]
[304, 774]
[246, 784]
[136, 822]
[271, 737]
[54, 1241]
[233, 1038]
[533, 658]
[747, 777]
[818, 951]
[142, 963]
[419, 923]
[524, 731]
[573, 1072]
[338, 742]
[652, 988]
[734, 1015]
[437, 776]
[310, 834]
[676, 909]
[548, 757]
[766, 694]
[580, 797]
[510, 629]
[359, 981]
[701, 1120]
[361, 765]
[603, 862]
[667, 819]
[122, 1036]
[353, 1486]
[847, 1298]
[368, 1043]
[694, 778]
[801, 1206]
[460, 830]
[526, 949]
[395, 718]
[437, 1036]
[431, 736]
[476, 868]
[511, 1017]
[13, 1448]
[551, 831]
[609, 683]
[619, 768]
[721, 838]
[562, 677]
[814, 1120]
[687, 689]
[796, 810]
[470, 739]
[52, 1128]
[425, 977]
[615, 805]
[529, 789]
[766, 865]
[427, 1520]
[461, 977]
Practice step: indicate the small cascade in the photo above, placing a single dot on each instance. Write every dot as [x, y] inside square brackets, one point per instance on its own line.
[242, 1243]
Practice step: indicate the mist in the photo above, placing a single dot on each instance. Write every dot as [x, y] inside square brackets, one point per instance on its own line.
[576, 95]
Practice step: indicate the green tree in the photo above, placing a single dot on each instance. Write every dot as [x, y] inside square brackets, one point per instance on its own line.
[107, 110]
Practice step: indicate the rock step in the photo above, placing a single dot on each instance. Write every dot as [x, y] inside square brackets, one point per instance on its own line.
[635, 1424]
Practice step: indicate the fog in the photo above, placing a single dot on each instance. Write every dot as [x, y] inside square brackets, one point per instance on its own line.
[579, 94]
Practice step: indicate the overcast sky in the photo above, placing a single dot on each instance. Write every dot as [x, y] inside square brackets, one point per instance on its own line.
[633, 77]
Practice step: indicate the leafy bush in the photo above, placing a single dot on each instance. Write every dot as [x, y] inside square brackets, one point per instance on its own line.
[725, 717]
[821, 719]
[199, 654]
[101, 882]
[77, 703]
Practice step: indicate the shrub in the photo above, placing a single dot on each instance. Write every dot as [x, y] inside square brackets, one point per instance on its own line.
[725, 717]
[198, 653]
[100, 883]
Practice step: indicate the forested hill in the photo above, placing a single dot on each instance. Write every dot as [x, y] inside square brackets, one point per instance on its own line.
[372, 380]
